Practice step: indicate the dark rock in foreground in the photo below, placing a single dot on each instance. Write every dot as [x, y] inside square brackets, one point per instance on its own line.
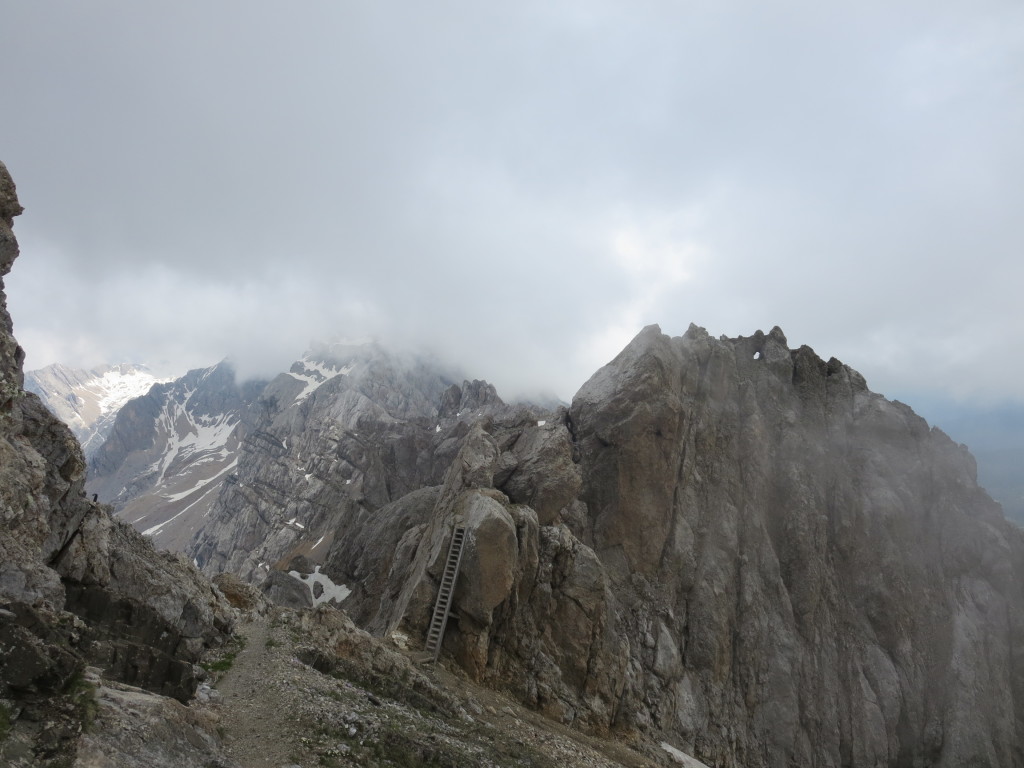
[76, 586]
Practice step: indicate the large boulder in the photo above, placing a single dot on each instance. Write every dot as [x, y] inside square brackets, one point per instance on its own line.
[543, 474]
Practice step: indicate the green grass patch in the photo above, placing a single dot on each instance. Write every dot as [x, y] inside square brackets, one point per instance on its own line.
[83, 696]
[223, 664]
[227, 659]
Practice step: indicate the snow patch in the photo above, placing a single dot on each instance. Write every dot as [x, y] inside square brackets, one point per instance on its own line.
[118, 388]
[314, 375]
[331, 591]
[201, 484]
[157, 528]
[190, 437]
[681, 758]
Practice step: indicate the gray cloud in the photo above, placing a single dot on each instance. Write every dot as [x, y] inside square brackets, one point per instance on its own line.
[521, 187]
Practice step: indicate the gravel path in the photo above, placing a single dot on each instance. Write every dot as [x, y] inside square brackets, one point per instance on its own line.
[253, 722]
[277, 711]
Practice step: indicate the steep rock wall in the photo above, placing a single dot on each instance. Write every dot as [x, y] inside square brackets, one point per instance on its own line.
[76, 586]
[760, 560]
[823, 580]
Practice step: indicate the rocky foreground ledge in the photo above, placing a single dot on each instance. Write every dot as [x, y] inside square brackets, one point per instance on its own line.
[308, 688]
[86, 604]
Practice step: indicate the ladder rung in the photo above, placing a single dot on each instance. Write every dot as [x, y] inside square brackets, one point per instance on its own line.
[442, 606]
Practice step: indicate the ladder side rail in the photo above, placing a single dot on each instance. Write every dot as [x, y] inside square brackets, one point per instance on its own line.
[445, 594]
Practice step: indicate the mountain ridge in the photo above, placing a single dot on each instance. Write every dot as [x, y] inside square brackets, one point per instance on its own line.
[699, 540]
[88, 400]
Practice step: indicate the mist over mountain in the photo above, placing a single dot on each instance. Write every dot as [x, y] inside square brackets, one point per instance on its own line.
[523, 185]
[995, 436]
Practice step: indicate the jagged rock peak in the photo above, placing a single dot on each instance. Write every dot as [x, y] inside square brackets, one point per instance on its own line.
[9, 205]
[696, 345]
[471, 396]
[11, 355]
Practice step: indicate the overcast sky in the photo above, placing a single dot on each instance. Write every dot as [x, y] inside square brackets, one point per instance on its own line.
[520, 186]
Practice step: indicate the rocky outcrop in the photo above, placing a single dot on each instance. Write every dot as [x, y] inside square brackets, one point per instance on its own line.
[752, 555]
[532, 601]
[807, 562]
[76, 586]
[473, 397]
[130, 727]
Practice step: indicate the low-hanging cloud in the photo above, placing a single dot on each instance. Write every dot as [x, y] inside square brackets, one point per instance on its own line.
[520, 189]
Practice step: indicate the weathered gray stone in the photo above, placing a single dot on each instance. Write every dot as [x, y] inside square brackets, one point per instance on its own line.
[545, 476]
[789, 523]
[286, 590]
[133, 727]
[142, 616]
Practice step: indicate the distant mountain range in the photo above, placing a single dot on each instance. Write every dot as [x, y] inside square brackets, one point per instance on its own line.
[171, 453]
[88, 400]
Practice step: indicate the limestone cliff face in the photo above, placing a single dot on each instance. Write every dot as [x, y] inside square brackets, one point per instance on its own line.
[758, 558]
[818, 570]
[76, 586]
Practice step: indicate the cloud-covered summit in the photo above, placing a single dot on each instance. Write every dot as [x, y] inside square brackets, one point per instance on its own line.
[520, 187]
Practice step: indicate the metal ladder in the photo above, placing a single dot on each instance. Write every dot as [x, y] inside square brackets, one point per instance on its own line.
[444, 595]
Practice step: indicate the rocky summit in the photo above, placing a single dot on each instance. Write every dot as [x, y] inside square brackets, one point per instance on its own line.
[724, 552]
[728, 544]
